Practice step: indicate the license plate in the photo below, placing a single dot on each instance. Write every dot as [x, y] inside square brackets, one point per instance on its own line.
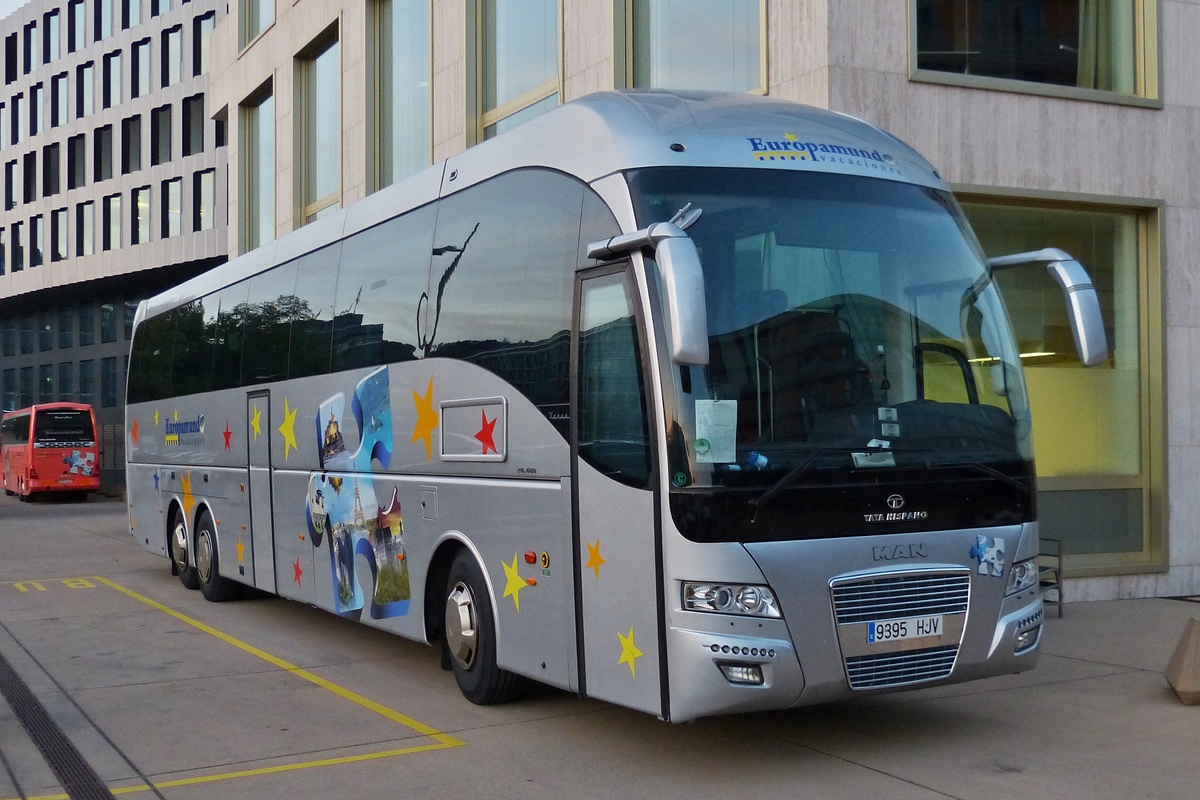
[897, 629]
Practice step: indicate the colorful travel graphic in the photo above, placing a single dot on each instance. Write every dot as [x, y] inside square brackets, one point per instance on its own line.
[345, 512]
[80, 463]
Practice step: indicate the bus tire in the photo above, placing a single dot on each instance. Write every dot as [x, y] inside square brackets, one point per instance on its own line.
[179, 552]
[471, 636]
[214, 587]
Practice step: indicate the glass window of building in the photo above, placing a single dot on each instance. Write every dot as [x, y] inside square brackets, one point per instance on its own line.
[28, 334]
[66, 381]
[131, 13]
[76, 26]
[110, 226]
[172, 56]
[3, 127]
[104, 18]
[139, 78]
[102, 161]
[140, 229]
[131, 144]
[172, 207]
[320, 175]
[18, 113]
[1088, 44]
[160, 135]
[85, 232]
[193, 125]
[3, 251]
[202, 28]
[159, 7]
[32, 61]
[109, 319]
[402, 80]
[11, 179]
[51, 169]
[66, 327]
[37, 241]
[131, 307]
[718, 45]
[204, 190]
[51, 25]
[58, 234]
[108, 382]
[258, 181]
[518, 55]
[112, 80]
[10, 389]
[45, 331]
[46, 383]
[18, 247]
[76, 161]
[256, 17]
[1093, 429]
[35, 109]
[59, 103]
[87, 382]
[85, 89]
[26, 386]
[87, 324]
[8, 334]
[29, 173]
[11, 58]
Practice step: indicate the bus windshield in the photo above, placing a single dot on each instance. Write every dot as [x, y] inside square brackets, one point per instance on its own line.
[63, 428]
[856, 342]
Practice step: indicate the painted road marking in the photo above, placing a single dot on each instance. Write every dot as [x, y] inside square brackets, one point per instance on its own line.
[442, 740]
[40, 585]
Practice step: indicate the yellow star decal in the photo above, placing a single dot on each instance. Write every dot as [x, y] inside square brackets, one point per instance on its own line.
[156, 417]
[288, 429]
[176, 415]
[185, 484]
[255, 422]
[241, 550]
[427, 420]
[594, 560]
[791, 137]
[514, 583]
[629, 653]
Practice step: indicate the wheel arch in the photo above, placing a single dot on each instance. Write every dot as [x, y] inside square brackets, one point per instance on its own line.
[447, 547]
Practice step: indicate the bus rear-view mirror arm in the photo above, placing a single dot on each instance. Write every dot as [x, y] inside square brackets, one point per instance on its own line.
[683, 284]
[1083, 305]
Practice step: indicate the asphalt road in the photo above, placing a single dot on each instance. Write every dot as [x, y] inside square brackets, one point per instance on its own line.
[165, 695]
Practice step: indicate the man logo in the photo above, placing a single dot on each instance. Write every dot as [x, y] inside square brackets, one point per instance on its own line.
[894, 552]
[895, 502]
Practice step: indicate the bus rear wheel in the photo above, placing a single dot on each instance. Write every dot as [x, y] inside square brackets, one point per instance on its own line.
[470, 631]
[214, 587]
[179, 553]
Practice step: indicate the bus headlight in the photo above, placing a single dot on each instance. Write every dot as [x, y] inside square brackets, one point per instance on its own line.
[724, 598]
[1022, 576]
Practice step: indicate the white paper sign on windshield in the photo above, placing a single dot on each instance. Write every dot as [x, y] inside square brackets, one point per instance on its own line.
[716, 431]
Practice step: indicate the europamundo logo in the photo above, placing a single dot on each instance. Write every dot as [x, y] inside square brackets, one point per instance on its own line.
[790, 148]
[189, 431]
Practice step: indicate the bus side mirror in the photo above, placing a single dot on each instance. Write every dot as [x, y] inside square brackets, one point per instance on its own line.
[1083, 305]
[687, 313]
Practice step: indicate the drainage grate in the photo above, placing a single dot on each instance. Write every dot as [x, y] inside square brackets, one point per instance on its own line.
[74, 774]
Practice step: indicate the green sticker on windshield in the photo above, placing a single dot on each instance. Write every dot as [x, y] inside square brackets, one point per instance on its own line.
[702, 447]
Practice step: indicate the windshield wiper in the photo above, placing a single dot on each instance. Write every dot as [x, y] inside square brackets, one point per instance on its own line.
[790, 476]
[986, 470]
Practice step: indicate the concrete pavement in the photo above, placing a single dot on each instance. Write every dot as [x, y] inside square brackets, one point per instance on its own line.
[166, 695]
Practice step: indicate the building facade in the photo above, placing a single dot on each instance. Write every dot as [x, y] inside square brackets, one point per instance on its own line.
[114, 189]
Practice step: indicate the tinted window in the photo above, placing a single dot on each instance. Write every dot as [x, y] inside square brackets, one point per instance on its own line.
[266, 319]
[312, 314]
[504, 261]
[226, 331]
[149, 360]
[191, 360]
[385, 270]
[66, 426]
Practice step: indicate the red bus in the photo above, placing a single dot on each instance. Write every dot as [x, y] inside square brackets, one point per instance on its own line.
[49, 448]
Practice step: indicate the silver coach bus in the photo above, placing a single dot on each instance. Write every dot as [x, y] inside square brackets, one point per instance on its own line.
[692, 403]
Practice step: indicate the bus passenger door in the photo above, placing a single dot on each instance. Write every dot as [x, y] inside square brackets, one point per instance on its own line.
[258, 444]
[617, 564]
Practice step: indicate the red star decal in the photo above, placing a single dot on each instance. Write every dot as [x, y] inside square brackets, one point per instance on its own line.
[298, 572]
[485, 433]
[133, 432]
[228, 433]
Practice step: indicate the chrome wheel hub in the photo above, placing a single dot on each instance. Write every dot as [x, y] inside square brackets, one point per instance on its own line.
[204, 553]
[461, 633]
[179, 547]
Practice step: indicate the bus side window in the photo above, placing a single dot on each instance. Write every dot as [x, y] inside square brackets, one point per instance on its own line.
[150, 359]
[503, 275]
[613, 434]
[266, 320]
[191, 370]
[385, 269]
[312, 312]
[226, 333]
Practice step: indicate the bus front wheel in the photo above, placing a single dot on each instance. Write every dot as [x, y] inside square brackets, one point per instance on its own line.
[179, 553]
[214, 587]
[471, 636]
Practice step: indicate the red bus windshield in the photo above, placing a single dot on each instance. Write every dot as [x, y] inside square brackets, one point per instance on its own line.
[66, 427]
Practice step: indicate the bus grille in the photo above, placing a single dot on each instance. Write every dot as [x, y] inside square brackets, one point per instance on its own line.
[896, 597]
[896, 669]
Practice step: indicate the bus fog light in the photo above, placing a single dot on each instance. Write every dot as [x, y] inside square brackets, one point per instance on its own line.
[1026, 639]
[1023, 575]
[749, 674]
[720, 598]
